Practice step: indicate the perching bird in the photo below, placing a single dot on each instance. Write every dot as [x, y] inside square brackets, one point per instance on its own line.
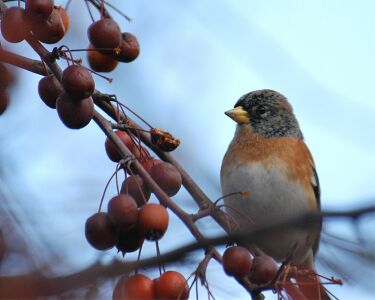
[269, 161]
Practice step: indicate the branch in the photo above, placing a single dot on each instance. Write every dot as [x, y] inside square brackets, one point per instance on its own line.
[34, 66]
[36, 285]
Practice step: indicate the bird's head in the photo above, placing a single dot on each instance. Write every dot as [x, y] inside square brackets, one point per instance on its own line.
[267, 113]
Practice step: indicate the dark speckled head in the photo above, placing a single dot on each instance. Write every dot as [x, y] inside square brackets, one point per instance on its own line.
[269, 114]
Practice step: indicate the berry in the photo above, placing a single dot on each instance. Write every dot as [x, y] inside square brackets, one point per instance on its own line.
[138, 287]
[78, 82]
[264, 269]
[148, 164]
[163, 140]
[129, 240]
[123, 211]
[74, 114]
[64, 16]
[15, 25]
[135, 187]
[141, 153]
[39, 8]
[171, 285]
[111, 149]
[49, 89]
[4, 101]
[50, 30]
[105, 35]
[6, 77]
[129, 48]
[100, 232]
[100, 62]
[237, 261]
[167, 177]
[153, 221]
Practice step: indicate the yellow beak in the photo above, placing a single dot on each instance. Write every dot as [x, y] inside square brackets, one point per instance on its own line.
[239, 115]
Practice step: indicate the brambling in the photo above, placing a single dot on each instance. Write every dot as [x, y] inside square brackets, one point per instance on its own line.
[269, 160]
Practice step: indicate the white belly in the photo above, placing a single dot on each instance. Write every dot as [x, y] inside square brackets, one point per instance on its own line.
[271, 197]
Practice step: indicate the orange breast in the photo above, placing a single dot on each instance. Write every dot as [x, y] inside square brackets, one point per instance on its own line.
[248, 147]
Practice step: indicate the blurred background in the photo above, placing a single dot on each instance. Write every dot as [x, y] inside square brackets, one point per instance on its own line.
[197, 58]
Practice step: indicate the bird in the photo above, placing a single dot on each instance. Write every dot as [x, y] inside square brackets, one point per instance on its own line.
[268, 175]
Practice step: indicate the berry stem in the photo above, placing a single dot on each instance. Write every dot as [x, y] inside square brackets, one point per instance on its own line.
[105, 189]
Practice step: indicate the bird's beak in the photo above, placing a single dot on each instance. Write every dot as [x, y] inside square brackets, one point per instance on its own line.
[239, 115]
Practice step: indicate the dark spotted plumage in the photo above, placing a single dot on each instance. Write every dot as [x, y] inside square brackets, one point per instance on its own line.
[270, 113]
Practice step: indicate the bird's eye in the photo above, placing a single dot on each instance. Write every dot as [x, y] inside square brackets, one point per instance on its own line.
[261, 110]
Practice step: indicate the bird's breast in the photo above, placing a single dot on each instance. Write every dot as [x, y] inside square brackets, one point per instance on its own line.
[270, 194]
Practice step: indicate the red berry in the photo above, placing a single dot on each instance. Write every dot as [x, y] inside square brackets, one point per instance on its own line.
[50, 30]
[39, 8]
[171, 285]
[15, 25]
[136, 287]
[142, 155]
[264, 269]
[129, 240]
[100, 62]
[6, 77]
[104, 35]
[129, 48]
[78, 82]
[148, 164]
[64, 16]
[49, 89]
[237, 261]
[4, 101]
[153, 221]
[123, 211]
[167, 177]
[135, 187]
[111, 149]
[100, 232]
[74, 114]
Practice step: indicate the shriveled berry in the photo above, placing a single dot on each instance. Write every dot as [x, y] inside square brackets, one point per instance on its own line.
[136, 287]
[100, 62]
[123, 211]
[167, 177]
[39, 8]
[129, 240]
[49, 89]
[74, 114]
[50, 30]
[164, 140]
[153, 221]
[78, 82]
[171, 285]
[100, 232]
[237, 261]
[15, 24]
[264, 269]
[135, 187]
[129, 48]
[105, 35]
